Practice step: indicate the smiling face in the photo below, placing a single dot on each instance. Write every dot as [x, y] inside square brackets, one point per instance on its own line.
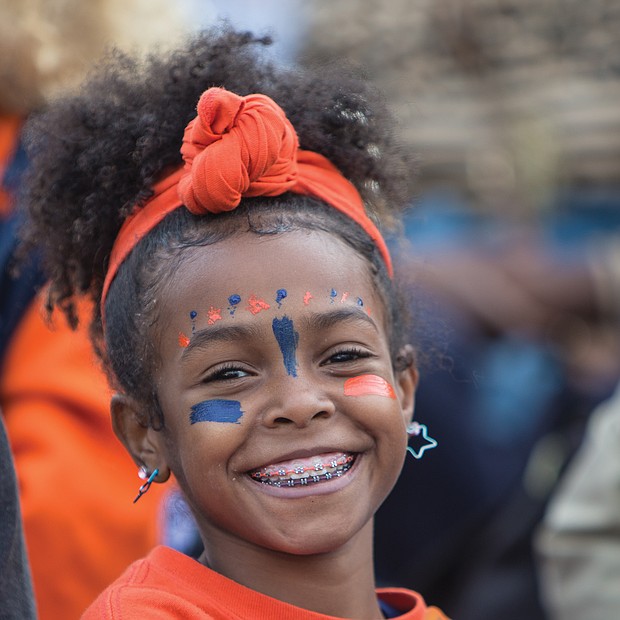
[284, 419]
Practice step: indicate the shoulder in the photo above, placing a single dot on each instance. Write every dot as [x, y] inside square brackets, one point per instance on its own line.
[161, 585]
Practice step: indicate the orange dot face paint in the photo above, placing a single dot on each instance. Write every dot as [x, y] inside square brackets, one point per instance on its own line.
[214, 314]
[256, 305]
[183, 340]
[368, 385]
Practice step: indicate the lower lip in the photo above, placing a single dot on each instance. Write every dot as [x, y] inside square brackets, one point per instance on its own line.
[326, 487]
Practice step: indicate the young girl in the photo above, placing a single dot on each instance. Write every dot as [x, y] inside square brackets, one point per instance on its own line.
[213, 207]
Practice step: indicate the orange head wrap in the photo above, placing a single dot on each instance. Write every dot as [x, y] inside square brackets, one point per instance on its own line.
[240, 147]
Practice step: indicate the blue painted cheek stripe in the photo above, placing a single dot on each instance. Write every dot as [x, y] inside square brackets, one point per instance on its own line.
[288, 339]
[216, 411]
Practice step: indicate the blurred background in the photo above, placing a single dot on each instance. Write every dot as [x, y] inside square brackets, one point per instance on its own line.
[510, 254]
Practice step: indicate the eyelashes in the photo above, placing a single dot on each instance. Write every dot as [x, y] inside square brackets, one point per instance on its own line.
[348, 355]
[226, 372]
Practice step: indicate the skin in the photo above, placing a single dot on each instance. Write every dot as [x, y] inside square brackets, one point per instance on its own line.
[313, 548]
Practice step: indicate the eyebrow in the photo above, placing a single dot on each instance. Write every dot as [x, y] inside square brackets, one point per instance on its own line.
[317, 320]
[219, 333]
[337, 316]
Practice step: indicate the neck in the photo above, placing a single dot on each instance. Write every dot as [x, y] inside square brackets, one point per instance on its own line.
[338, 583]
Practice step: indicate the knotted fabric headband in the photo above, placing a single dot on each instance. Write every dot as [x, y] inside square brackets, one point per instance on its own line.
[240, 147]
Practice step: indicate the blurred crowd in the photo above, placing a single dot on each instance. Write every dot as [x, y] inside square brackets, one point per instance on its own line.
[511, 257]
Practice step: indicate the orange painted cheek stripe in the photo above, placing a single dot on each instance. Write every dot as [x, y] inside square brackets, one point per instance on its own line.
[368, 385]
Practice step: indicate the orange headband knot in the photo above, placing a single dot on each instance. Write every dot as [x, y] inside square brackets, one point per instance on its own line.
[237, 147]
[252, 151]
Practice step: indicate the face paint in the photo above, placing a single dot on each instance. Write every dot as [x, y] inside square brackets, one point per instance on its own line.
[280, 295]
[216, 411]
[214, 314]
[233, 302]
[192, 315]
[344, 297]
[333, 294]
[368, 385]
[256, 305]
[359, 302]
[288, 339]
[183, 340]
[307, 298]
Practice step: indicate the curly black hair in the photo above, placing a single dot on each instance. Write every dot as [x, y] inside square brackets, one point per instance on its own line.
[96, 154]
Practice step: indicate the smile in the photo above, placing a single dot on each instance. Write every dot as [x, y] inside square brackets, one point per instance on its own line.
[305, 473]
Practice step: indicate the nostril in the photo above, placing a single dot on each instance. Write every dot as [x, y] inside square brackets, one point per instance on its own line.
[299, 420]
[283, 421]
[322, 414]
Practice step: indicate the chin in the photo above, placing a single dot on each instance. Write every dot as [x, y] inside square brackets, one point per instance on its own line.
[314, 540]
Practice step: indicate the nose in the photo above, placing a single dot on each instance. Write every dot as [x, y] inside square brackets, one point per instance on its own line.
[298, 402]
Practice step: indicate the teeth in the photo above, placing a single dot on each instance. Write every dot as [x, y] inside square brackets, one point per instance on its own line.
[300, 475]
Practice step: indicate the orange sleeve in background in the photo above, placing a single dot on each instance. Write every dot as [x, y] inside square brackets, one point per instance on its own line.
[76, 480]
[9, 131]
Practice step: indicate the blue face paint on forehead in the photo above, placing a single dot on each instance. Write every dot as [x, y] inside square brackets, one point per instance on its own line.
[288, 340]
[233, 302]
[216, 410]
[280, 295]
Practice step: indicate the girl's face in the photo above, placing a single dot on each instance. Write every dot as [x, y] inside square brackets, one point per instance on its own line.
[285, 423]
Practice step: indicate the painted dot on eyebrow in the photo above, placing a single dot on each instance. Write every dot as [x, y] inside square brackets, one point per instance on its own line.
[359, 301]
[256, 305]
[280, 295]
[233, 301]
[214, 314]
[333, 293]
[307, 298]
[193, 314]
[344, 297]
[183, 340]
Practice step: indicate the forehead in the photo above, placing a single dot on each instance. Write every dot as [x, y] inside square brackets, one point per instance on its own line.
[270, 268]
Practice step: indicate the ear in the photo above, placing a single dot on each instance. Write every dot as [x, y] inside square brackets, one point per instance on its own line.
[407, 377]
[144, 444]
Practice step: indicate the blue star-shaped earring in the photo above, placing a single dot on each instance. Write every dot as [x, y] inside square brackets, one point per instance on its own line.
[414, 429]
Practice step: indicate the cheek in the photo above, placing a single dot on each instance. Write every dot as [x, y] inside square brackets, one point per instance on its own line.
[369, 385]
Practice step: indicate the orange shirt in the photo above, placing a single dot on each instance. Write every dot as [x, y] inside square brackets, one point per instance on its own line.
[168, 584]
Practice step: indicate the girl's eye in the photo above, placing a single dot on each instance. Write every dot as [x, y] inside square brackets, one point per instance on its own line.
[226, 373]
[348, 355]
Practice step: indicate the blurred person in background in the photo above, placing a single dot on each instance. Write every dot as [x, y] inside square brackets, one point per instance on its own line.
[579, 539]
[512, 107]
[76, 483]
